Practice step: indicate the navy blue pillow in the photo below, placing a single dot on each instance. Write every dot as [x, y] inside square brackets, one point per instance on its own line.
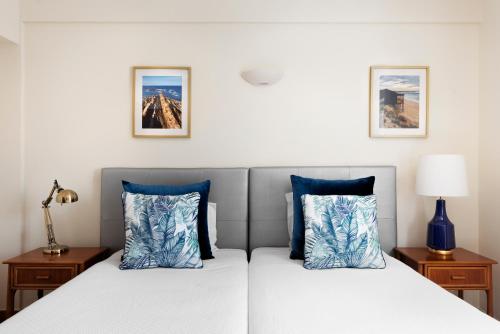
[164, 189]
[303, 185]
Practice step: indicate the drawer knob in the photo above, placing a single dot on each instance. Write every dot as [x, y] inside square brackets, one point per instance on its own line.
[42, 277]
[457, 277]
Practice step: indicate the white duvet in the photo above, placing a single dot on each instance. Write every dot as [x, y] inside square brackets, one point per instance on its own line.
[105, 299]
[286, 298]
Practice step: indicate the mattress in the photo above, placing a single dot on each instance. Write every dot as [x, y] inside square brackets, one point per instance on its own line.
[286, 298]
[104, 299]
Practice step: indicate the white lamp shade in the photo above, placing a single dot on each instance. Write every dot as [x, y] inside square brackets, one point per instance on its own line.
[262, 76]
[442, 175]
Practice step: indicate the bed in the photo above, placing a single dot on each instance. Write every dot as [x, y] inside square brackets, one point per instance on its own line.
[104, 299]
[286, 298]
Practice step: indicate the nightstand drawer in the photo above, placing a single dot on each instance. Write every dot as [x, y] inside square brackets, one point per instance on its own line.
[458, 276]
[42, 276]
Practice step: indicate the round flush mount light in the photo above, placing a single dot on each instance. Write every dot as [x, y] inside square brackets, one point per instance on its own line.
[262, 76]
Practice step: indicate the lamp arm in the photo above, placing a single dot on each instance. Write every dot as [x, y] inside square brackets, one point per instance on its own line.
[53, 246]
[45, 204]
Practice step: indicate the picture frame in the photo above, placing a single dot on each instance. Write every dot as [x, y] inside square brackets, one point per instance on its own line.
[161, 101]
[399, 101]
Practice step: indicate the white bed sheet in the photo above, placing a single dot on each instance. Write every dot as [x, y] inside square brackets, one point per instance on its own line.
[104, 299]
[286, 298]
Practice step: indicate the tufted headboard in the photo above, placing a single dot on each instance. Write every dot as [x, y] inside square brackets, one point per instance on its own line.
[229, 189]
[268, 186]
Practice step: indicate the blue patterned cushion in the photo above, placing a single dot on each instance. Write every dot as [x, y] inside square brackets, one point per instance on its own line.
[304, 185]
[161, 231]
[341, 232]
[203, 188]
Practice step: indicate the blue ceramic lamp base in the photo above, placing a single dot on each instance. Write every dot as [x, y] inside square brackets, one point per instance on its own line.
[440, 231]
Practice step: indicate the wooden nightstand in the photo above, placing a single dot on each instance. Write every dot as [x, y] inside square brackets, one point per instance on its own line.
[38, 271]
[464, 270]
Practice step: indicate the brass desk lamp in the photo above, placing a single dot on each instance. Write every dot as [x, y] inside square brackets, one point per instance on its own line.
[63, 196]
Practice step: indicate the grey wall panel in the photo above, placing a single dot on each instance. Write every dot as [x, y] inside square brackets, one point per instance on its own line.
[268, 186]
[229, 189]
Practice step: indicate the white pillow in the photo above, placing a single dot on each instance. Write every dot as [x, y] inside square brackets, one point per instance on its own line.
[289, 214]
[212, 224]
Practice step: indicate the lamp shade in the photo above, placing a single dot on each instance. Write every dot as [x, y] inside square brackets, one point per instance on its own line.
[442, 175]
[66, 196]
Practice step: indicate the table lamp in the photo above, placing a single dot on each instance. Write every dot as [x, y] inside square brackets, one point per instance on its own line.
[441, 175]
[63, 196]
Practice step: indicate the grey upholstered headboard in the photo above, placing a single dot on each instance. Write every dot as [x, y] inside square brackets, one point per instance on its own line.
[236, 191]
[229, 189]
[268, 186]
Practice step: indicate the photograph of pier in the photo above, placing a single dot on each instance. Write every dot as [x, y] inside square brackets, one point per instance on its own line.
[162, 102]
[399, 101]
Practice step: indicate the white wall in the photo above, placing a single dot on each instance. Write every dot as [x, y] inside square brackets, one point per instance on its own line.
[9, 20]
[11, 175]
[489, 151]
[11, 199]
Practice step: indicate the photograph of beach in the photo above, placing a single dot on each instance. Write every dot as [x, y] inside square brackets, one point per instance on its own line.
[399, 98]
[161, 102]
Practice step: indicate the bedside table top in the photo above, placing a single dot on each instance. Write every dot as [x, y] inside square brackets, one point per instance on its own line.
[75, 255]
[460, 256]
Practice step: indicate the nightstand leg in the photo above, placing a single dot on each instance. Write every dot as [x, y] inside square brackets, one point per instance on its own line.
[11, 294]
[489, 305]
[461, 294]
[40, 293]
[9, 311]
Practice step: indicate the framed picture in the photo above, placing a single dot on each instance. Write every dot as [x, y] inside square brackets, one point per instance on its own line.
[161, 102]
[399, 101]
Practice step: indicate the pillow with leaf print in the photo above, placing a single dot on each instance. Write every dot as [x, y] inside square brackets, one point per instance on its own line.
[341, 231]
[161, 231]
